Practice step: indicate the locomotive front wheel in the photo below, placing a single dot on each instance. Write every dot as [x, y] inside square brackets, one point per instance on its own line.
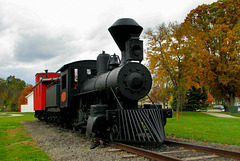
[113, 132]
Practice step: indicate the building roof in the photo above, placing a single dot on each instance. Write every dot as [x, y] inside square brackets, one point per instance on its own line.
[29, 95]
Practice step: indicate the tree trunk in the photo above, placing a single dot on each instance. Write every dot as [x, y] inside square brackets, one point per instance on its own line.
[163, 101]
[178, 105]
[231, 100]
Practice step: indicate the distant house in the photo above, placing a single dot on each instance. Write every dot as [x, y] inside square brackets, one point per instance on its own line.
[29, 106]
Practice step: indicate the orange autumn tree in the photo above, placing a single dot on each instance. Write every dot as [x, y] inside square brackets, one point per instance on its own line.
[173, 61]
[217, 28]
[22, 100]
[159, 97]
[210, 99]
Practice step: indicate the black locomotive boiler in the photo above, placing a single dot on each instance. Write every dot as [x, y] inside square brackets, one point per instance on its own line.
[100, 97]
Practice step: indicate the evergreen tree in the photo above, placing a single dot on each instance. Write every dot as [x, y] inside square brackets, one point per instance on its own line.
[196, 99]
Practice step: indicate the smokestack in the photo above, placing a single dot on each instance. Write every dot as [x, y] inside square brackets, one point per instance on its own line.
[125, 33]
[46, 71]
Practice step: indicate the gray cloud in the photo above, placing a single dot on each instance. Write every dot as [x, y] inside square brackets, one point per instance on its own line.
[2, 25]
[38, 47]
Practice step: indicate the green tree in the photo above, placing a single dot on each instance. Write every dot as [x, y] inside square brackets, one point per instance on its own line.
[3, 92]
[196, 99]
[10, 91]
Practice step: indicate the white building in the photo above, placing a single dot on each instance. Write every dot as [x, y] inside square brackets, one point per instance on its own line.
[29, 106]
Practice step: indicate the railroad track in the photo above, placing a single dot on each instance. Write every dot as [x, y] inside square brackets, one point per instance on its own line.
[204, 153]
[215, 151]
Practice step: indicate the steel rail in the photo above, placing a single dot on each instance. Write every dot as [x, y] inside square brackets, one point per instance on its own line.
[143, 152]
[220, 152]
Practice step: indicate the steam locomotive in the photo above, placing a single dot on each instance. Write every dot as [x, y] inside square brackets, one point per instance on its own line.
[100, 97]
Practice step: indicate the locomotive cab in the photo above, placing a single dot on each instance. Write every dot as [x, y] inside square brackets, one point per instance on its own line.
[72, 77]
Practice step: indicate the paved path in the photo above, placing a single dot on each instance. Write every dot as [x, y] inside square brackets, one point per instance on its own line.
[218, 113]
[11, 115]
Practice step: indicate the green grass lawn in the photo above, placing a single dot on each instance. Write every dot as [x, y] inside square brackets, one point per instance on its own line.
[15, 143]
[204, 127]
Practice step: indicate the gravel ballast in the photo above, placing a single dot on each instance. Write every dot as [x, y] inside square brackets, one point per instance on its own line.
[62, 144]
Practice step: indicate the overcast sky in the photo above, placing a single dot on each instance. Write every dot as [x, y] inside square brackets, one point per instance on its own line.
[46, 34]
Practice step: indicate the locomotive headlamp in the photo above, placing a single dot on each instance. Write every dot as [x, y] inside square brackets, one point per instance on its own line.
[134, 49]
